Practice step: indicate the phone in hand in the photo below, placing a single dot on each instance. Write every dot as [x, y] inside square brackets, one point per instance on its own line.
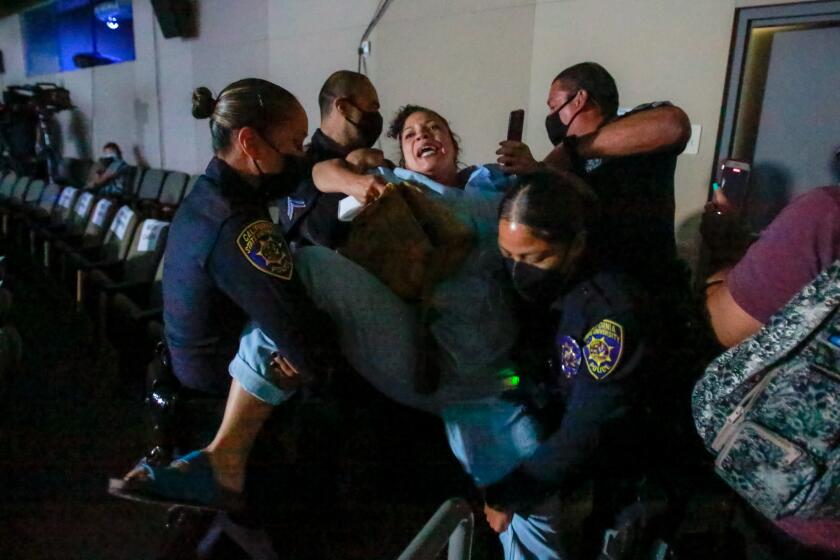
[734, 181]
[516, 122]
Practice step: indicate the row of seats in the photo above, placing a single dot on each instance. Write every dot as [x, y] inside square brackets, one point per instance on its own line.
[107, 251]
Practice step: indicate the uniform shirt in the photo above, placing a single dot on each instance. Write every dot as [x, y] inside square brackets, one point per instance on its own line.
[635, 227]
[308, 216]
[224, 264]
[600, 357]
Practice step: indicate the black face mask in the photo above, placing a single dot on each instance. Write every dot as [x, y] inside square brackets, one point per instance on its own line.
[557, 131]
[369, 126]
[533, 284]
[281, 183]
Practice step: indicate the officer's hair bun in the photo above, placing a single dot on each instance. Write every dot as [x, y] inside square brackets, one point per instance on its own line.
[203, 103]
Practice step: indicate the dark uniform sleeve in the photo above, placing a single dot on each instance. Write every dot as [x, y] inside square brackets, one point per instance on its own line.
[591, 423]
[252, 265]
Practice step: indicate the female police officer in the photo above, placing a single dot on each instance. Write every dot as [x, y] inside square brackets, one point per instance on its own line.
[226, 263]
[601, 354]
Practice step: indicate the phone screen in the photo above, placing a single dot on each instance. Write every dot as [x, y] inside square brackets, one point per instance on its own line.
[516, 122]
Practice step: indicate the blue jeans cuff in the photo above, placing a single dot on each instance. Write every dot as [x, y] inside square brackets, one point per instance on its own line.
[256, 384]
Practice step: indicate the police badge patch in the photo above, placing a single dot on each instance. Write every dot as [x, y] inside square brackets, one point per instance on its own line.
[602, 348]
[570, 355]
[266, 249]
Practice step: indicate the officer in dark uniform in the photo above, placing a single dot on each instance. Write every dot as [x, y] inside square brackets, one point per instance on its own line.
[225, 265]
[350, 120]
[595, 326]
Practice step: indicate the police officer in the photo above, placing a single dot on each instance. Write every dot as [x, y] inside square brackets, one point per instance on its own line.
[594, 325]
[225, 264]
[629, 161]
[350, 123]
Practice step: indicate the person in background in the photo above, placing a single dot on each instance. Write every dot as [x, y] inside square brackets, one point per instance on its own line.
[628, 160]
[750, 285]
[350, 121]
[110, 174]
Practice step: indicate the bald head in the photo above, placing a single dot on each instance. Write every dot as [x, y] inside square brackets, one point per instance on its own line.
[344, 83]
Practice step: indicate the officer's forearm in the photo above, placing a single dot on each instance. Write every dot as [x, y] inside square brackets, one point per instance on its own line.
[334, 176]
[654, 130]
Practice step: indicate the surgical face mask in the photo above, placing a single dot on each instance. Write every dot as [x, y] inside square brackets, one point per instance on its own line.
[108, 158]
[369, 126]
[557, 130]
[281, 183]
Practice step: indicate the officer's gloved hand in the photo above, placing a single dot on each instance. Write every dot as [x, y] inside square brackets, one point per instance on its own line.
[724, 231]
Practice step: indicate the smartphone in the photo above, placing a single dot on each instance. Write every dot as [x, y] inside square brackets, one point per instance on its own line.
[516, 122]
[734, 180]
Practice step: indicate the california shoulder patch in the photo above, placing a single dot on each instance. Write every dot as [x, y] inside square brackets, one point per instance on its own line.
[602, 348]
[570, 355]
[266, 249]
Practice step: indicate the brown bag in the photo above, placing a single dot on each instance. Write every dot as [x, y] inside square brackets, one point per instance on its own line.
[408, 240]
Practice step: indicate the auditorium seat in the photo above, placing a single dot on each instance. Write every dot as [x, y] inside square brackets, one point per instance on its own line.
[171, 195]
[135, 274]
[91, 237]
[111, 253]
[129, 314]
[8, 185]
[72, 227]
[148, 189]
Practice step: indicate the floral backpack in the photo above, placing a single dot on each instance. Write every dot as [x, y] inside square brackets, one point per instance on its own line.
[769, 408]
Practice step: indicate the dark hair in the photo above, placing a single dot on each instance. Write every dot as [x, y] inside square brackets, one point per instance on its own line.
[344, 83]
[556, 206]
[114, 146]
[250, 102]
[597, 82]
[398, 122]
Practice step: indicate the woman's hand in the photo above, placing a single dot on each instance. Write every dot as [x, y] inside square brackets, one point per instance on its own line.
[499, 521]
[366, 158]
[516, 158]
[367, 188]
[287, 373]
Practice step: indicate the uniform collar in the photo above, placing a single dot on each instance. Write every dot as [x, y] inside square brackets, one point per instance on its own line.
[323, 144]
[232, 185]
[579, 283]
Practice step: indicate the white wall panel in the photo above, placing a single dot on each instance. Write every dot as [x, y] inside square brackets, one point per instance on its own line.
[472, 67]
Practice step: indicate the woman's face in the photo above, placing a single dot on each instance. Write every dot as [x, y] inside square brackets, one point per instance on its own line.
[518, 243]
[285, 139]
[427, 146]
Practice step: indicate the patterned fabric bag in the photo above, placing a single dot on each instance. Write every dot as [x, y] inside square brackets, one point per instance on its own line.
[769, 408]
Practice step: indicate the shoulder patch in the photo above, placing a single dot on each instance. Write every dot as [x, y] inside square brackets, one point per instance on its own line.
[265, 249]
[570, 355]
[603, 346]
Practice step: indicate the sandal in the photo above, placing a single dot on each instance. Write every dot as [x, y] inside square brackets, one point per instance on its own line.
[187, 481]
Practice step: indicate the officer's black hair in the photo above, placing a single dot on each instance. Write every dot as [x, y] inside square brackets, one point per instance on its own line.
[250, 102]
[114, 146]
[597, 82]
[555, 206]
[398, 122]
[344, 83]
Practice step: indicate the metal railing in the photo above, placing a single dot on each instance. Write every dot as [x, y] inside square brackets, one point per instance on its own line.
[451, 524]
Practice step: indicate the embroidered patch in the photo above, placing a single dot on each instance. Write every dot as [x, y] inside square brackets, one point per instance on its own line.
[570, 355]
[602, 348]
[293, 204]
[266, 249]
